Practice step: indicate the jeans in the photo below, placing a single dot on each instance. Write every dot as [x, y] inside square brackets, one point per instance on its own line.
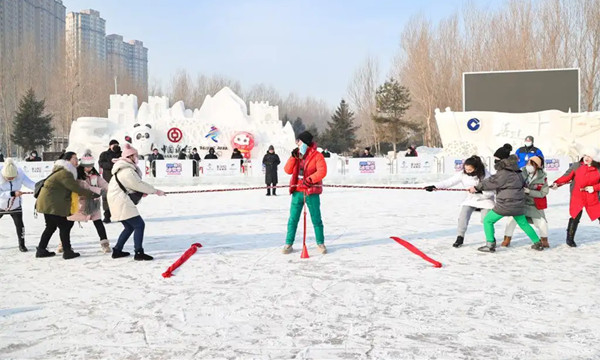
[136, 226]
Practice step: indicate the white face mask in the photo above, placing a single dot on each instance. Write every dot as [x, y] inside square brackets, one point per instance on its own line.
[530, 169]
[528, 143]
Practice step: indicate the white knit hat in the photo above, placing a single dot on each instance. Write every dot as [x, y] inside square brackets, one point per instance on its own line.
[591, 152]
[10, 169]
[87, 159]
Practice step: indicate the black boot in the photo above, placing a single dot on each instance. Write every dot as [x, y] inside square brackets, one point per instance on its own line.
[459, 241]
[274, 192]
[571, 230]
[68, 253]
[43, 253]
[119, 254]
[140, 256]
[22, 247]
[268, 191]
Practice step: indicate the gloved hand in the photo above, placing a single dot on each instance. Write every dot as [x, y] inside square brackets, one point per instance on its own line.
[430, 188]
[296, 153]
[589, 189]
[554, 186]
[307, 182]
[526, 190]
[96, 196]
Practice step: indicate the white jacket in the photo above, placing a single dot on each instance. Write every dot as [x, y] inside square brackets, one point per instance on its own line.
[7, 201]
[121, 206]
[484, 200]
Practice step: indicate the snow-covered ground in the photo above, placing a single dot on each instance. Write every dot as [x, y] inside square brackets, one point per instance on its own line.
[239, 297]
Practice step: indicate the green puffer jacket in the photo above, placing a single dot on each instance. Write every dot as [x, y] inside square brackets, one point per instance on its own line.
[55, 196]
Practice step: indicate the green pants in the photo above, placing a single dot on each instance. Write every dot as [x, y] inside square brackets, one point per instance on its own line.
[314, 206]
[492, 217]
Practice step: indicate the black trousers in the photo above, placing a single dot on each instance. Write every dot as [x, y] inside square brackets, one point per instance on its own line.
[269, 189]
[100, 229]
[17, 216]
[64, 226]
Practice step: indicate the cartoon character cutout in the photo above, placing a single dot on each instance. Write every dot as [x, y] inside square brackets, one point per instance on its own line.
[143, 138]
[244, 142]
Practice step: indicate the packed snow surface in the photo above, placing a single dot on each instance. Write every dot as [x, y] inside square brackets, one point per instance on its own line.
[239, 297]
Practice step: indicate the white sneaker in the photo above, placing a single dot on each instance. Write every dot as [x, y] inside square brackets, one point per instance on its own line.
[105, 246]
[59, 249]
[322, 249]
[287, 249]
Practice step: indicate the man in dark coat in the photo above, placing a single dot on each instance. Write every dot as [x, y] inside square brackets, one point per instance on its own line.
[152, 158]
[236, 154]
[270, 161]
[367, 153]
[33, 156]
[211, 154]
[196, 157]
[106, 162]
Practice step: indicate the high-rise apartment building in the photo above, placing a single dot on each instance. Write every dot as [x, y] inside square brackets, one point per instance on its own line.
[33, 27]
[127, 59]
[86, 36]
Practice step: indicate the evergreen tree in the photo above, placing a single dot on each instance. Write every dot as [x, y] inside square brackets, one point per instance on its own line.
[298, 126]
[315, 132]
[31, 129]
[340, 134]
[393, 100]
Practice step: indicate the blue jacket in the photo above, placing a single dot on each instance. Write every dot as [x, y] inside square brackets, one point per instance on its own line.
[525, 153]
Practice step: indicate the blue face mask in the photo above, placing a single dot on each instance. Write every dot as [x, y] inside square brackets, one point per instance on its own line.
[303, 148]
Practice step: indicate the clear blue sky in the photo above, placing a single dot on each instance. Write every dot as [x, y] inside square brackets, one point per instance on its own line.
[310, 47]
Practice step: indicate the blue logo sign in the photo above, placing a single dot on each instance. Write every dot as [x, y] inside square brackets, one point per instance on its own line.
[473, 124]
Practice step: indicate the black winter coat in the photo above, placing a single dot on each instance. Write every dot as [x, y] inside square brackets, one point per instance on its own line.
[153, 157]
[106, 164]
[271, 161]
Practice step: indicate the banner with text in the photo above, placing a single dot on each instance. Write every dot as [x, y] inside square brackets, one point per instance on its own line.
[220, 167]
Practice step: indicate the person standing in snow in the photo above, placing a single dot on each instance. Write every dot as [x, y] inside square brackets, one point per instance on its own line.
[125, 186]
[55, 202]
[536, 189]
[271, 161]
[152, 158]
[584, 177]
[196, 157]
[308, 168]
[510, 198]
[367, 153]
[89, 208]
[11, 196]
[528, 151]
[106, 161]
[211, 154]
[33, 156]
[473, 173]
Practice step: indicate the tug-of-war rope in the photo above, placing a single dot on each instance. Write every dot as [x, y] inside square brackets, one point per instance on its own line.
[304, 254]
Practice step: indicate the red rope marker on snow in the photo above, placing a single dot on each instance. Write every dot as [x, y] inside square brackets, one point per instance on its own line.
[186, 255]
[412, 248]
[304, 254]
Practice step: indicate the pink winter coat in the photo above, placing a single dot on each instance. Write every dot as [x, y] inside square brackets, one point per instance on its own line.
[90, 209]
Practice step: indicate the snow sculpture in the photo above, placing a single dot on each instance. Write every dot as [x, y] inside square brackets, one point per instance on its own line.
[555, 132]
[218, 123]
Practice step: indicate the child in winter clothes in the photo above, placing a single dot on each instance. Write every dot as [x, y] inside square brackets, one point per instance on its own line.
[584, 177]
[473, 173]
[536, 189]
[12, 180]
[510, 198]
[126, 181]
[89, 208]
[308, 168]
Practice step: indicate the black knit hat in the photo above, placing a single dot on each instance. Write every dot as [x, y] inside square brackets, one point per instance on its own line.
[529, 137]
[503, 152]
[305, 137]
[113, 142]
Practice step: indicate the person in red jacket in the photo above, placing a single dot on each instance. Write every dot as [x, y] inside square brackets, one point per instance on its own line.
[308, 168]
[584, 177]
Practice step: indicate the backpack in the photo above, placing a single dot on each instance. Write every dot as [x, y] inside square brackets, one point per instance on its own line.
[40, 184]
